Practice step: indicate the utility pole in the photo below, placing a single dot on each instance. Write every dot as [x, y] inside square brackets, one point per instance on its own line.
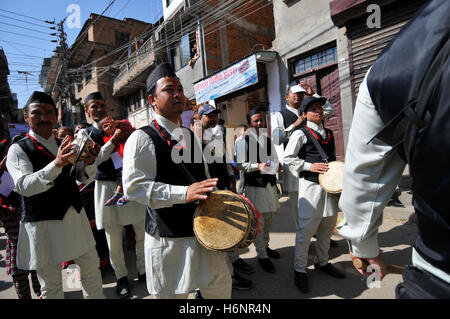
[26, 77]
[201, 49]
[64, 83]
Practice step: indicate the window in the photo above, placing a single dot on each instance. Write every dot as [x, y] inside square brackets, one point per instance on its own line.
[313, 61]
[121, 38]
[88, 75]
[182, 53]
[133, 102]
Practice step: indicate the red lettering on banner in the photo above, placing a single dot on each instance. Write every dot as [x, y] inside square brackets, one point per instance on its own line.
[201, 85]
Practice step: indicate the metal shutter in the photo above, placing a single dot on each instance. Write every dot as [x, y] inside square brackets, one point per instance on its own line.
[366, 44]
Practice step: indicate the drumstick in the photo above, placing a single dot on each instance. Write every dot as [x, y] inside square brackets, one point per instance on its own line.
[363, 264]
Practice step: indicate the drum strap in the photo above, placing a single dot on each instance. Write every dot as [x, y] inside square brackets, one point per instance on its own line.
[181, 165]
[317, 145]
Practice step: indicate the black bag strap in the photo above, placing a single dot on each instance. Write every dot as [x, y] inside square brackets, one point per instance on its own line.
[316, 144]
[183, 169]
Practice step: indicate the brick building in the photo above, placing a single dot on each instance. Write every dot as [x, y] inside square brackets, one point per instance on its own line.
[199, 38]
[100, 43]
[91, 66]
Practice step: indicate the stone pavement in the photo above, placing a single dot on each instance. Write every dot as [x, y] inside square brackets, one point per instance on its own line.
[397, 234]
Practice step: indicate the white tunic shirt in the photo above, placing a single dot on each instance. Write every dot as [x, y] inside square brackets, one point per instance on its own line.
[264, 198]
[280, 135]
[47, 242]
[178, 265]
[315, 199]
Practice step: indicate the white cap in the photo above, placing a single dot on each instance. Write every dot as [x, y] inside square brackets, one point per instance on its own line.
[297, 89]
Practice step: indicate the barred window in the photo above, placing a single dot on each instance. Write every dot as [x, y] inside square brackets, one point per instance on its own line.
[313, 61]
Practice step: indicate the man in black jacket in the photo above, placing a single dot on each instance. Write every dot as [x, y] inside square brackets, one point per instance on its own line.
[391, 96]
[59, 231]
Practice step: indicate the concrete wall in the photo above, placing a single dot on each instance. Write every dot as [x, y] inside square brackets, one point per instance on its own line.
[274, 93]
[141, 117]
[170, 10]
[345, 84]
[188, 75]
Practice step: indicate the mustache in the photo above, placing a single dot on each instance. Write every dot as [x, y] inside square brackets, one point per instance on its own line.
[44, 123]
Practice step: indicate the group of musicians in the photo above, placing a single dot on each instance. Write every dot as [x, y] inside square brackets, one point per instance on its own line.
[164, 193]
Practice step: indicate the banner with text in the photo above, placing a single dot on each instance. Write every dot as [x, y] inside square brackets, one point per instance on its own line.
[237, 76]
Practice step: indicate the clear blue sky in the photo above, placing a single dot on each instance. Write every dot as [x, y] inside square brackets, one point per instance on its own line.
[26, 48]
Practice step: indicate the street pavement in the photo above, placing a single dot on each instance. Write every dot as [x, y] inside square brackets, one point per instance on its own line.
[396, 236]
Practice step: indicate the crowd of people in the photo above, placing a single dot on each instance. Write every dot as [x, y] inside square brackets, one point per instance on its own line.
[128, 181]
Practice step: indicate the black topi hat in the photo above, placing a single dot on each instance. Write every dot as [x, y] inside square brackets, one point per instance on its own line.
[93, 96]
[307, 101]
[161, 71]
[40, 97]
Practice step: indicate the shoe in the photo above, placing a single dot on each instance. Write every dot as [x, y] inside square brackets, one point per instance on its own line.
[272, 253]
[66, 264]
[241, 283]
[122, 201]
[301, 281]
[113, 200]
[122, 288]
[395, 203]
[241, 266]
[330, 269]
[142, 278]
[198, 294]
[333, 243]
[267, 265]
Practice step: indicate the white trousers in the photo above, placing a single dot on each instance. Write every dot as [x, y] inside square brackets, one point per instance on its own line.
[219, 288]
[114, 236]
[262, 239]
[50, 278]
[219, 284]
[307, 227]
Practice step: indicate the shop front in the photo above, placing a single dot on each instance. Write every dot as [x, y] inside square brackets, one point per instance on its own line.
[238, 88]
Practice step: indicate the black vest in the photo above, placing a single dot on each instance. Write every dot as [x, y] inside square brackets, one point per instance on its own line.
[393, 82]
[289, 118]
[54, 203]
[219, 170]
[256, 178]
[106, 170]
[310, 154]
[175, 221]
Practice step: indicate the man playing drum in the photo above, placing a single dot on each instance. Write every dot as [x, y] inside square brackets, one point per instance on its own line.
[317, 209]
[176, 264]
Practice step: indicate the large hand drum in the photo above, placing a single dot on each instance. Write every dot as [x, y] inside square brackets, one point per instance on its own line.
[331, 180]
[224, 222]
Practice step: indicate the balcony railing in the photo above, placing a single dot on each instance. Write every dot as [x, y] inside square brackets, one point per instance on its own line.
[135, 64]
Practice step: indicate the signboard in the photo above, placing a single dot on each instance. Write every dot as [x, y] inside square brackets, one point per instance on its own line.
[15, 129]
[237, 76]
